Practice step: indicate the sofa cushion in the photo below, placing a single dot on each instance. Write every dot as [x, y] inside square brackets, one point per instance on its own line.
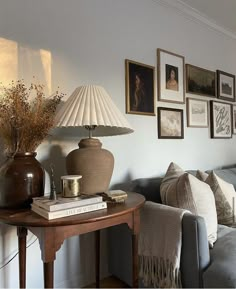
[225, 197]
[183, 190]
[221, 272]
[228, 175]
[202, 176]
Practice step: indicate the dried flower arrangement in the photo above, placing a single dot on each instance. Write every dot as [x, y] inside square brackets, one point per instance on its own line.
[26, 116]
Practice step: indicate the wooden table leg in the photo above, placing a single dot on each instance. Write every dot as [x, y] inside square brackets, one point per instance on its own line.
[48, 274]
[22, 233]
[135, 259]
[97, 252]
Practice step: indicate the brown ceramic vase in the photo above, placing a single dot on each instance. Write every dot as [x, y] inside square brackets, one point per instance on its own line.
[21, 179]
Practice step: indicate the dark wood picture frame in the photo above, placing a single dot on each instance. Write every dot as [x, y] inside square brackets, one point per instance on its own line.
[140, 88]
[197, 112]
[225, 86]
[220, 119]
[200, 81]
[171, 76]
[234, 119]
[170, 123]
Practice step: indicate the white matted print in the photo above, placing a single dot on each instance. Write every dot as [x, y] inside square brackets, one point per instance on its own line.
[234, 119]
[221, 119]
[171, 76]
[197, 112]
[225, 86]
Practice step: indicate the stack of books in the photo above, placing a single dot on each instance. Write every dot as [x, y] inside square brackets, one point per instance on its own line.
[63, 207]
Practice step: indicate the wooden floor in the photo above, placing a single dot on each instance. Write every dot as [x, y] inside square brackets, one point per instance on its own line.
[110, 282]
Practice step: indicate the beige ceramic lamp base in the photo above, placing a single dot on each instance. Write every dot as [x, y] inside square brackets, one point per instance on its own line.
[93, 163]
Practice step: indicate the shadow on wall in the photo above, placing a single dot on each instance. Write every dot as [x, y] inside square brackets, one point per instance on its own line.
[7, 232]
[57, 159]
[124, 185]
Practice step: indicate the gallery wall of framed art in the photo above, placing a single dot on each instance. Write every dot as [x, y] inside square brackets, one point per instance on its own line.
[209, 103]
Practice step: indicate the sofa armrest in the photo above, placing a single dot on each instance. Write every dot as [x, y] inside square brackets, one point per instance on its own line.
[195, 256]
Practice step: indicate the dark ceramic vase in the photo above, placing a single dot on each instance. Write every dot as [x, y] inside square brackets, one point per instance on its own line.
[21, 179]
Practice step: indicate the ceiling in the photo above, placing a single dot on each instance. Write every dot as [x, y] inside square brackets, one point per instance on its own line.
[220, 12]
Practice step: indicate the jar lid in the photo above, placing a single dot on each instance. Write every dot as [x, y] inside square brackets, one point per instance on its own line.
[71, 177]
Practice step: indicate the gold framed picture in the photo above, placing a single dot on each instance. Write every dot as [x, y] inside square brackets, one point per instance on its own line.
[171, 76]
[140, 88]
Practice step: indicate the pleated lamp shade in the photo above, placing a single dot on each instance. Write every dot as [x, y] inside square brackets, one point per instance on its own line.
[91, 108]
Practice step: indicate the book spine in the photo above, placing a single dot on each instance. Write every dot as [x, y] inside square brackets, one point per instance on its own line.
[68, 212]
[68, 205]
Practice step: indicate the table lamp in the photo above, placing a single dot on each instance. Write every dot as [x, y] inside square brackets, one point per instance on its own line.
[91, 111]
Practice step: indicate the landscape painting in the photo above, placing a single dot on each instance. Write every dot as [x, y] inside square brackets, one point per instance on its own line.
[225, 86]
[200, 81]
[197, 112]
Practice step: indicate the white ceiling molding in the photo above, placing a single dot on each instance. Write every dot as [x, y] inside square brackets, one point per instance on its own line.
[194, 15]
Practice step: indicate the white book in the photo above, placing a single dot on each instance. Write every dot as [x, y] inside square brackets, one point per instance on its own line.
[68, 212]
[65, 203]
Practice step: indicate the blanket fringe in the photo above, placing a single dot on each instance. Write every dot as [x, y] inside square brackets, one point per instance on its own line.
[159, 273]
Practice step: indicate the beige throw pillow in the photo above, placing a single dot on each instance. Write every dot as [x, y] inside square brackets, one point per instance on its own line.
[183, 190]
[225, 197]
[202, 176]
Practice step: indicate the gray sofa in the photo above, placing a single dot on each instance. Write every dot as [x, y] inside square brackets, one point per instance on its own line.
[200, 266]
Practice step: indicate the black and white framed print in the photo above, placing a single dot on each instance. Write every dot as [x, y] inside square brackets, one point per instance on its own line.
[221, 119]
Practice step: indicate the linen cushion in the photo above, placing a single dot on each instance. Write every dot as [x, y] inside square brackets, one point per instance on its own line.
[225, 197]
[183, 190]
[202, 176]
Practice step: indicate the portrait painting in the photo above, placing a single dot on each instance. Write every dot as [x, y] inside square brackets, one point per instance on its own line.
[221, 119]
[234, 119]
[197, 112]
[170, 123]
[172, 81]
[225, 86]
[140, 88]
[200, 81]
[171, 76]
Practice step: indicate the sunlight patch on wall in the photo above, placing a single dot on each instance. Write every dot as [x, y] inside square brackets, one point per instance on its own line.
[21, 62]
[8, 61]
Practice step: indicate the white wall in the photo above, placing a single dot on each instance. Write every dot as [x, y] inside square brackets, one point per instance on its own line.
[75, 42]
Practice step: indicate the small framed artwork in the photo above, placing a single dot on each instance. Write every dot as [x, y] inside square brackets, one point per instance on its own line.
[221, 119]
[225, 86]
[171, 76]
[170, 123]
[200, 81]
[234, 119]
[140, 88]
[197, 112]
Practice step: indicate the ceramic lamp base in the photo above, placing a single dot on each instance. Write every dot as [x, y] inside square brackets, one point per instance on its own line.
[93, 163]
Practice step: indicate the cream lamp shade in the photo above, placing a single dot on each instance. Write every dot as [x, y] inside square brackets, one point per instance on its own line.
[90, 110]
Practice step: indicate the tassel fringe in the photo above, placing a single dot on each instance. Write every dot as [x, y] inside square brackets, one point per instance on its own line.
[159, 273]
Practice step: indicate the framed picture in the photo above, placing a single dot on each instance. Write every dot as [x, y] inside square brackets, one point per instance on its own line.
[234, 119]
[171, 76]
[200, 81]
[140, 88]
[197, 112]
[170, 123]
[225, 86]
[221, 119]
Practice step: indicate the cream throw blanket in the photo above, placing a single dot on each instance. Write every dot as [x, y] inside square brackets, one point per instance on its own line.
[160, 245]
